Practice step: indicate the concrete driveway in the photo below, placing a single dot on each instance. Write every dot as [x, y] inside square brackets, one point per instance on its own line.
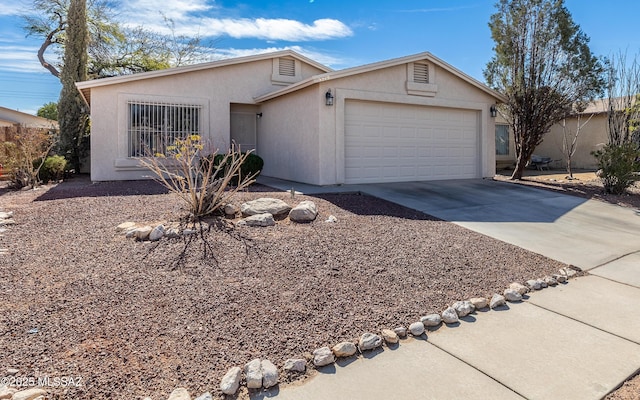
[585, 233]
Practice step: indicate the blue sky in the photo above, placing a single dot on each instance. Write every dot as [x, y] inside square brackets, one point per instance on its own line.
[338, 33]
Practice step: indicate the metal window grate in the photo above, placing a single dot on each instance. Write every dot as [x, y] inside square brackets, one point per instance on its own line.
[154, 126]
[287, 67]
[421, 73]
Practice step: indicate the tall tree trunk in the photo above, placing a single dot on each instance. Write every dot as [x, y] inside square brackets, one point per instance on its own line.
[521, 163]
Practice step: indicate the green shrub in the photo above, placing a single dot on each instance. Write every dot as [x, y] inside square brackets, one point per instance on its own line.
[619, 166]
[52, 169]
[251, 166]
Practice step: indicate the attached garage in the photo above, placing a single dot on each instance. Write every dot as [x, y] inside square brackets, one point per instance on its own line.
[391, 142]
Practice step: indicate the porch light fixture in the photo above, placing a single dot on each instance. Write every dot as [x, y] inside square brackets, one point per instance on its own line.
[494, 111]
[328, 98]
[259, 115]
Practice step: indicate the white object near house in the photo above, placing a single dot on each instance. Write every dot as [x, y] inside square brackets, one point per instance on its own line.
[406, 119]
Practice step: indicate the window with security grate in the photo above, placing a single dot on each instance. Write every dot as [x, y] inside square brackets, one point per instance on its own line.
[152, 127]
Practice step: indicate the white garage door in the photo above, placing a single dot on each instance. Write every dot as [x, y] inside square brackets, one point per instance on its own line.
[386, 142]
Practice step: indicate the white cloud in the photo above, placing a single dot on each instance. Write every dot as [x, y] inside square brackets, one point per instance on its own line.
[193, 18]
[11, 7]
[20, 59]
[322, 58]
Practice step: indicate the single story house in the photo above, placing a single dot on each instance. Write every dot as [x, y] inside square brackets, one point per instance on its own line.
[15, 118]
[593, 136]
[406, 119]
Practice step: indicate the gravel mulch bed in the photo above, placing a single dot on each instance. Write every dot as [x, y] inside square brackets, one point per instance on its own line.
[588, 187]
[118, 314]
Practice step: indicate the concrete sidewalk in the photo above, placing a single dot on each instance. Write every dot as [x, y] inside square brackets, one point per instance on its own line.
[575, 341]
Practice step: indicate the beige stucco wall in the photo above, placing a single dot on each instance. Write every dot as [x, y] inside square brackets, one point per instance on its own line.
[592, 137]
[213, 89]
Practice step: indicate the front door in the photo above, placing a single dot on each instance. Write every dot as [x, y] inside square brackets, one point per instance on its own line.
[243, 126]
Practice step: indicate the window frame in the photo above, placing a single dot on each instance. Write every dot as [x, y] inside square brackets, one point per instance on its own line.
[507, 142]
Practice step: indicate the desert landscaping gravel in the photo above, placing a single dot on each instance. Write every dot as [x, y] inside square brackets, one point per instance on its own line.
[78, 299]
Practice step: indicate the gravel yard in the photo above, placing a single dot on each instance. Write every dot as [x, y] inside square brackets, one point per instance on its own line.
[78, 299]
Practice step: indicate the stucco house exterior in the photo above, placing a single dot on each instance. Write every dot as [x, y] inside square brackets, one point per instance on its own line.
[593, 136]
[405, 119]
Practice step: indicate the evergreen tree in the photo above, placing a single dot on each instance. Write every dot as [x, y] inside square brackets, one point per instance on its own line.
[72, 113]
[543, 64]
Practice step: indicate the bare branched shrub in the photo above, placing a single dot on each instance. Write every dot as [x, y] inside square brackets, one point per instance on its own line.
[24, 152]
[202, 184]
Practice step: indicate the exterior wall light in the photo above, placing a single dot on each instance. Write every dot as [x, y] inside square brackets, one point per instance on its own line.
[494, 111]
[328, 98]
[259, 115]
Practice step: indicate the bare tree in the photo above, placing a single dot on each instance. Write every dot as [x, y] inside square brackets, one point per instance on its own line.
[623, 87]
[570, 137]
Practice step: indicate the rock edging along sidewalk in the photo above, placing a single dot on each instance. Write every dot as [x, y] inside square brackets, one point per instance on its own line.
[263, 374]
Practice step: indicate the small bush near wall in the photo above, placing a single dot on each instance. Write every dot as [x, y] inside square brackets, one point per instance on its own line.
[619, 166]
[52, 169]
[251, 166]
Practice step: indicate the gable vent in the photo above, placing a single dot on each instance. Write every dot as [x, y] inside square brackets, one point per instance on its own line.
[421, 73]
[287, 67]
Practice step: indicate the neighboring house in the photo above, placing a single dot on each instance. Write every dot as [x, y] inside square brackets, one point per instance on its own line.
[405, 119]
[593, 135]
[10, 119]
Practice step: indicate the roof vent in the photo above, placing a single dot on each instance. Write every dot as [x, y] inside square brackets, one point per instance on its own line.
[421, 73]
[287, 67]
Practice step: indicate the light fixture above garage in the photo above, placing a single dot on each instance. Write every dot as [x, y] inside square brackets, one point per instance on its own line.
[494, 111]
[328, 98]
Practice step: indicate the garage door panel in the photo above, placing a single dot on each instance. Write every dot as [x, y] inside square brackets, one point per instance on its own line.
[387, 142]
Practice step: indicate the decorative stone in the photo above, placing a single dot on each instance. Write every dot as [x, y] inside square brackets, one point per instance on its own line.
[323, 356]
[32, 394]
[518, 287]
[180, 394]
[142, 233]
[306, 211]
[568, 272]
[542, 283]
[265, 205]
[559, 278]
[157, 233]
[259, 220]
[12, 371]
[126, 226]
[534, 284]
[479, 302]
[231, 381]
[253, 374]
[269, 374]
[331, 219]
[344, 349]
[463, 308]
[230, 210]
[295, 364]
[172, 233]
[549, 280]
[6, 214]
[188, 232]
[369, 341]
[9, 221]
[497, 301]
[417, 328]
[205, 396]
[512, 295]
[431, 320]
[389, 336]
[401, 331]
[450, 316]
[6, 393]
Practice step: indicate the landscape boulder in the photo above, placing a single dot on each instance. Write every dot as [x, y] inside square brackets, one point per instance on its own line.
[306, 211]
[264, 205]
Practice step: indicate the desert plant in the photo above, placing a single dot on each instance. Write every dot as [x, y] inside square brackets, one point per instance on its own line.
[619, 166]
[251, 166]
[22, 151]
[193, 176]
[52, 168]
